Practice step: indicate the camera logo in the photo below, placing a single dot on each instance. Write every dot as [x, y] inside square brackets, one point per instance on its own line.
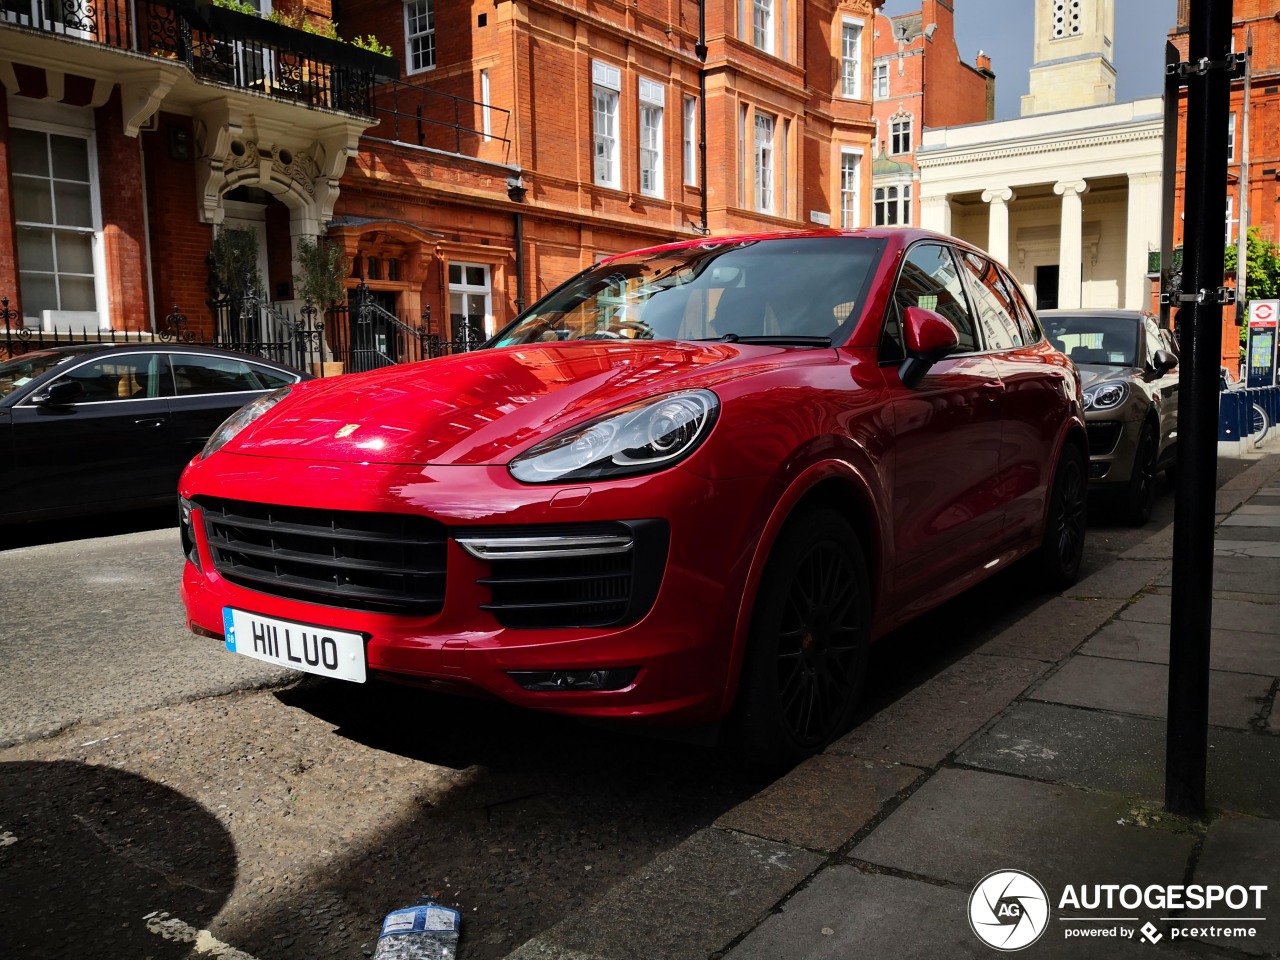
[1008, 910]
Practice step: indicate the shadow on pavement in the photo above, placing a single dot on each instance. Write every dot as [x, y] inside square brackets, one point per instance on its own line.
[87, 852]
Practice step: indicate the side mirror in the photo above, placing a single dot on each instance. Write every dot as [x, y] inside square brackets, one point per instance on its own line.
[1164, 361]
[60, 394]
[928, 337]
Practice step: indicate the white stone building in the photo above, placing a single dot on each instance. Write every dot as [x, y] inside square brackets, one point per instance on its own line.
[1067, 195]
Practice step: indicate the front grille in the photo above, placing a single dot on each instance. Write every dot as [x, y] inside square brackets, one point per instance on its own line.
[385, 562]
[1103, 436]
[608, 589]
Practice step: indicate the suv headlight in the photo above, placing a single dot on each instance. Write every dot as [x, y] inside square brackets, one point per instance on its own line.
[1105, 396]
[641, 438]
[241, 419]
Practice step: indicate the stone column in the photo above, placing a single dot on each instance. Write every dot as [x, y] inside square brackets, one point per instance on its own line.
[1070, 259]
[1142, 235]
[935, 214]
[997, 200]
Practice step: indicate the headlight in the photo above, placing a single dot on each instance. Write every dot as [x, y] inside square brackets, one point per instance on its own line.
[1104, 396]
[641, 438]
[241, 419]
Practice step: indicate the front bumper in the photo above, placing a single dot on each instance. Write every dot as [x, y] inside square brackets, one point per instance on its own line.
[1113, 448]
[680, 647]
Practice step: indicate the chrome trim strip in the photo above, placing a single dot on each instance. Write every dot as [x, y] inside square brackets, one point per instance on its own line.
[543, 548]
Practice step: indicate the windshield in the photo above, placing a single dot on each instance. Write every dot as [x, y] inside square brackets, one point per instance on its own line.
[1111, 341]
[21, 370]
[804, 290]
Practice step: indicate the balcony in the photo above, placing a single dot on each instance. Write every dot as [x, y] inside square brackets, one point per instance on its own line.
[217, 45]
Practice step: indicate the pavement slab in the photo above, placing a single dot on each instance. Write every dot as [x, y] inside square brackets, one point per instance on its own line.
[847, 913]
[1120, 580]
[1239, 574]
[1125, 754]
[1235, 651]
[822, 803]
[1054, 629]
[1242, 850]
[1228, 614]
[689, 902]
[963, 824]
[1239, 519]
[931, 721]
[1246, 548]
[1128, 686]
[1158, 546]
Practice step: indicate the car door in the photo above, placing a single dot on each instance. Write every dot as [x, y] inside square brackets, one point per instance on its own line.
[210, 387]
[1032, 404]
[947, 515]
[113, 445]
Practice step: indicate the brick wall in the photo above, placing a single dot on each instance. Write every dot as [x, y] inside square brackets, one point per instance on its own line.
[123, 218]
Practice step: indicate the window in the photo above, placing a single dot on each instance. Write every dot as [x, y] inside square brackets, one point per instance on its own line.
[743, 190]
[850, 182]
[690, 141]
[55, 208]
[1066, 19]
[893, 206]
[195, 375]
[652, 99]
[1231, 138]
[880, 81]
[764, 162]
[606, 83]
[900, 135]
[135, 376]
[420, 35]
[928, 279]
[851, 59]
[1231, 223]
[484, 104]
[762, 25]
[470, 300]
[995, 308]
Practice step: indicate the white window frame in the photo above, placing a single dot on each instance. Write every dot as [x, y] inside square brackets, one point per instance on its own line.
[80, 127]
[426, 35]
[743, 190]
[762, 25]
[485, 120]
[689, 119]
[1231, 137]
[850, 188]
[465, 289]
[606, 106]
[879, 81]
[652, 98]
[1231, 223]
[851, 58]
[895, 197]
[900, 126]
[765, 130]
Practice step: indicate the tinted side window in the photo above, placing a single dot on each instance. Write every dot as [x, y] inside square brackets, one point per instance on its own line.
[194, 375]
[137, 376]
[929, 279]
[1154, 342]
[995, 312]
[1027, 323]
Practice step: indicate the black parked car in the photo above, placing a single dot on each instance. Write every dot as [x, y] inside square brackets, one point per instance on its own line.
[89, 428]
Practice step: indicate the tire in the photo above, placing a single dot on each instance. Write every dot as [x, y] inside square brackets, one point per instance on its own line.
[1057, 561]
[806, 654]
[1140, 492]
[1259, 424]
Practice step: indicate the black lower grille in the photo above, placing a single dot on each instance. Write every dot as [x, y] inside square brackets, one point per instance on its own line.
[579, 591]
[385, 562]
[1103, 436]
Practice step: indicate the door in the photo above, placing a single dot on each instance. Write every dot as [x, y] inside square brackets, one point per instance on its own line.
[114, 445]
[253, 218]
[1047, 287]
[208, 388]
[947, 514]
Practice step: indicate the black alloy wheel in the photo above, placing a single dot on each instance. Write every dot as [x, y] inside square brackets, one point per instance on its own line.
[1062, 548]
[808, 647]
[1140, 493]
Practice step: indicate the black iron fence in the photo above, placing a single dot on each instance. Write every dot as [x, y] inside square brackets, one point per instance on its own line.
[408, 113]
[219, 45]
[354, 337]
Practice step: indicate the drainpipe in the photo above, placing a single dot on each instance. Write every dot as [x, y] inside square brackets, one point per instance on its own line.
[700, 48]
[519, 224]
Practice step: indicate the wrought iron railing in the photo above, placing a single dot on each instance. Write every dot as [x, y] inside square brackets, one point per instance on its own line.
[219, 45]
[408, 113]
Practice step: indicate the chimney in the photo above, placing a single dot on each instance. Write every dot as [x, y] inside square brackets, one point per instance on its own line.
[984, 62]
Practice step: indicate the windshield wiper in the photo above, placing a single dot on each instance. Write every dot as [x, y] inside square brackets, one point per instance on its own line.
[774, 340]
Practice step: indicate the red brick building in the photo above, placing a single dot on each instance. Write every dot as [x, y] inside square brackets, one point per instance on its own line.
[1262, 18]
[518, 143]
[919, 80]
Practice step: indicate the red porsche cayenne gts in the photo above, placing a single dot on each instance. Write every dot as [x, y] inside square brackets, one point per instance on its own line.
[693, 483]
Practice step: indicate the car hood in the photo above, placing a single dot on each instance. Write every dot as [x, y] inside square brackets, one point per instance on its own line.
[1091, 373]
[483, 407]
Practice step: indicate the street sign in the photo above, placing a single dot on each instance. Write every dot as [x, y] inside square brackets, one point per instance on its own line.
[1263, 318]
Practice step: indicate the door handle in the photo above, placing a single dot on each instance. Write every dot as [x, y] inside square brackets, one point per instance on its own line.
[150, 422]
[992, 388]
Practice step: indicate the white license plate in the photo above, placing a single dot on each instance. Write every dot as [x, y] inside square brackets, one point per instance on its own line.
[300, 646]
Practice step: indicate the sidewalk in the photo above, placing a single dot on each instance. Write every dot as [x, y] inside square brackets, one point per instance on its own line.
[1041, 752]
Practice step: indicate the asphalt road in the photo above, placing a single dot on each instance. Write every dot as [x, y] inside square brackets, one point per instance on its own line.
[190, 790]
